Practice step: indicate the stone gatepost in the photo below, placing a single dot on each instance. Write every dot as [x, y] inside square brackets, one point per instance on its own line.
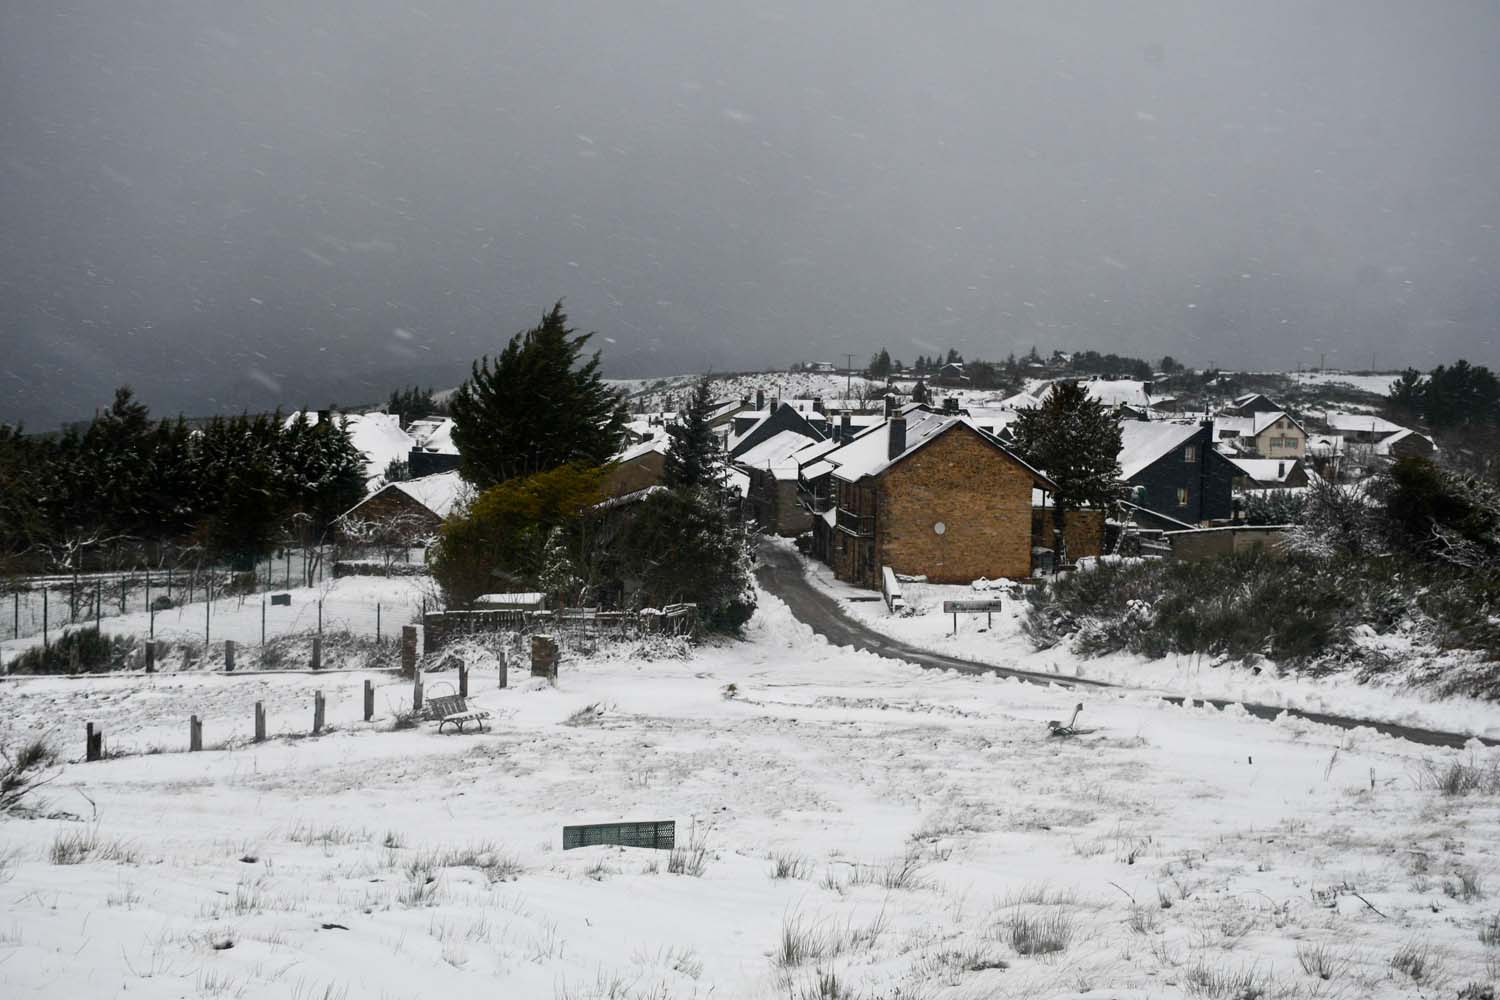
[408, 651]
[544, 657]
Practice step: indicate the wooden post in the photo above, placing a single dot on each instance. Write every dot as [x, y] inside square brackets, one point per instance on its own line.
[416, 694]
[377, 621]
[504, 666]
[151, 656]
[229, 656]
[317, 654]
[195, 734]
[262, 621]
[369, 699]
[260, 722]
[93, 743]
[463, 681]
[408, 650]
[317, 712]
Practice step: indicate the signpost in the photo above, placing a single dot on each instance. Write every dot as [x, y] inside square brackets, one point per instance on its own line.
[987, 608]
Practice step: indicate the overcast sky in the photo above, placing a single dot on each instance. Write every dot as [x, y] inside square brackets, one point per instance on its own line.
[229, 204]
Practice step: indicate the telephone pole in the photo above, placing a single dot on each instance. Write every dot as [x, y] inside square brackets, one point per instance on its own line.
[848, 376]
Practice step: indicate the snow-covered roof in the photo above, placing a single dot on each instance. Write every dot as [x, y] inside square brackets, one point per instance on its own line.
[776, 454]
[521, 599]
[1143, 442]
[644, 448]
[816, 469]
[1361, 423]
[815, 450]
[868, 454]
[1266, 470]
[440, 440]
[377, 435]
[1252, 425]
[1383, 446]
[439, 492]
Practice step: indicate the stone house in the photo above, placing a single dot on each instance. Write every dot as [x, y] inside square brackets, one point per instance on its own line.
[928, 494]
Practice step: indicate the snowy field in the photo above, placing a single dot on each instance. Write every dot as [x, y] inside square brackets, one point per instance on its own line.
[1001, 641]
[933, 842]
[1379, 384]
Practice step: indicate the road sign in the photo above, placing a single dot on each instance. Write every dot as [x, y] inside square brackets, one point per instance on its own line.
[972, 607]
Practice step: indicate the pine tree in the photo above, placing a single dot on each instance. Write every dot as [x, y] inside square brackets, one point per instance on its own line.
[692, 459]
[1075, 440]
[413, 404]
[535, 408]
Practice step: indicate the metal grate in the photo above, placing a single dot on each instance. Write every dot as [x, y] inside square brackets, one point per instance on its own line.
[660, 834]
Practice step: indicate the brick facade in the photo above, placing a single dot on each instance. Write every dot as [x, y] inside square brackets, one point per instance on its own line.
[1083, 531]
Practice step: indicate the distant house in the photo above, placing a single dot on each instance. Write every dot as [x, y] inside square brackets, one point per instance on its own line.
[1406, 444]
[767, 424]
[1267, 434]
[636, 468]
[951, 375]
[928, 494]
[432, 450]
[1174, 470]
[1250, 404]
[765, 453]
[415, 507]
[1268, 473]
[1361, 428]
[378, 436]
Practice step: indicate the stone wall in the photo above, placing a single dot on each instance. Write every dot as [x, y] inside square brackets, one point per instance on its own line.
[979, 495]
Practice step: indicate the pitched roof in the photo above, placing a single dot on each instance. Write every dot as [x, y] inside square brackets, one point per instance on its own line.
[868, 454]
[439, 492]
[1143, 443]
[776, 453]
[1266, 470]
[1361, 423]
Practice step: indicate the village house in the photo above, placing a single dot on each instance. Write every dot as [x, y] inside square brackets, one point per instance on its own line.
[1174, 471]
[1267, 434]
[402, 514]
[1268, 473]
[926, 493]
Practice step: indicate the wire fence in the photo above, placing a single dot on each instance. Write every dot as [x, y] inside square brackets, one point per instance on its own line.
[45, 604]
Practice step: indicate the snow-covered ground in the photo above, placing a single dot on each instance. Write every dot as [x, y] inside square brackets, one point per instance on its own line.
[934, 837]
[1378, 384]
[1005, 644]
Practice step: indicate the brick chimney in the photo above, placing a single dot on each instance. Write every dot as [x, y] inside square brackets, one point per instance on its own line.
[897, 438]
[760, 399]
[890, 406]
[950, 405]
[844, 429]
[818, 404]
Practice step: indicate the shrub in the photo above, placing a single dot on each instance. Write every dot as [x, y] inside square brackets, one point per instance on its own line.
[80, 651]
[23, 770]
[1039, 934]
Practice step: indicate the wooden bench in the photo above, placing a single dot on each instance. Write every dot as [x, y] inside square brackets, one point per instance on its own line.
[454, 709]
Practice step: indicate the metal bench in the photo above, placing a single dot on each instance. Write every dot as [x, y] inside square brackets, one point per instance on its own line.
[454, 709]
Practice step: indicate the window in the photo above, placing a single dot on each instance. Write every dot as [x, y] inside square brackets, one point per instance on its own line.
[1182, 496]
[1190, 454]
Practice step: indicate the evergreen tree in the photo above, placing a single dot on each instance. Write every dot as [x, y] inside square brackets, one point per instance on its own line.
[413, 403]
[1075, 440]
[692, 456]
[535, 408]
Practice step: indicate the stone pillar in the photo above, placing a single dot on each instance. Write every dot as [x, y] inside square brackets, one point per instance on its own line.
[317, 654]
[229, 656]
[544, 657]
[408, 651]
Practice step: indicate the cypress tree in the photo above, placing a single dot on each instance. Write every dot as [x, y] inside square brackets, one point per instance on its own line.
[691, 457]
[1076, 441]
[535, 407]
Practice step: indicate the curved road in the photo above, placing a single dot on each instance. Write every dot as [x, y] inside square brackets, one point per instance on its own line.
[780, 572]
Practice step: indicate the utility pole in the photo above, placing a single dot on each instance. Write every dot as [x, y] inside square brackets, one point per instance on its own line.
[848, 376]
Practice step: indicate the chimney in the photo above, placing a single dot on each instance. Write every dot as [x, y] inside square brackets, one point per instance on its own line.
[890, 406]
[897, 438]
[1280, 470]
[818, 404]
[950, 405]
[844, 431]
[760, 399]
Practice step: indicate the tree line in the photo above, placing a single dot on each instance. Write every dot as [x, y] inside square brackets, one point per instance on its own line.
[125, 486]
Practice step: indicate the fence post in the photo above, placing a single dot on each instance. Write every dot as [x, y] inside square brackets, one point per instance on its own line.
[369, 699]
[148, 588]
[98, 604]
[229, 656]
[44, 616]
[317, 652]
[208, 603]
[317, 712]
[16, 630]
[260, 722]
[408, 650]
[463, 680]
[377, 621]
[504, 665]
[93, 743]
[320, 616]
[195, 734]
[416, 694]
[262, 621]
